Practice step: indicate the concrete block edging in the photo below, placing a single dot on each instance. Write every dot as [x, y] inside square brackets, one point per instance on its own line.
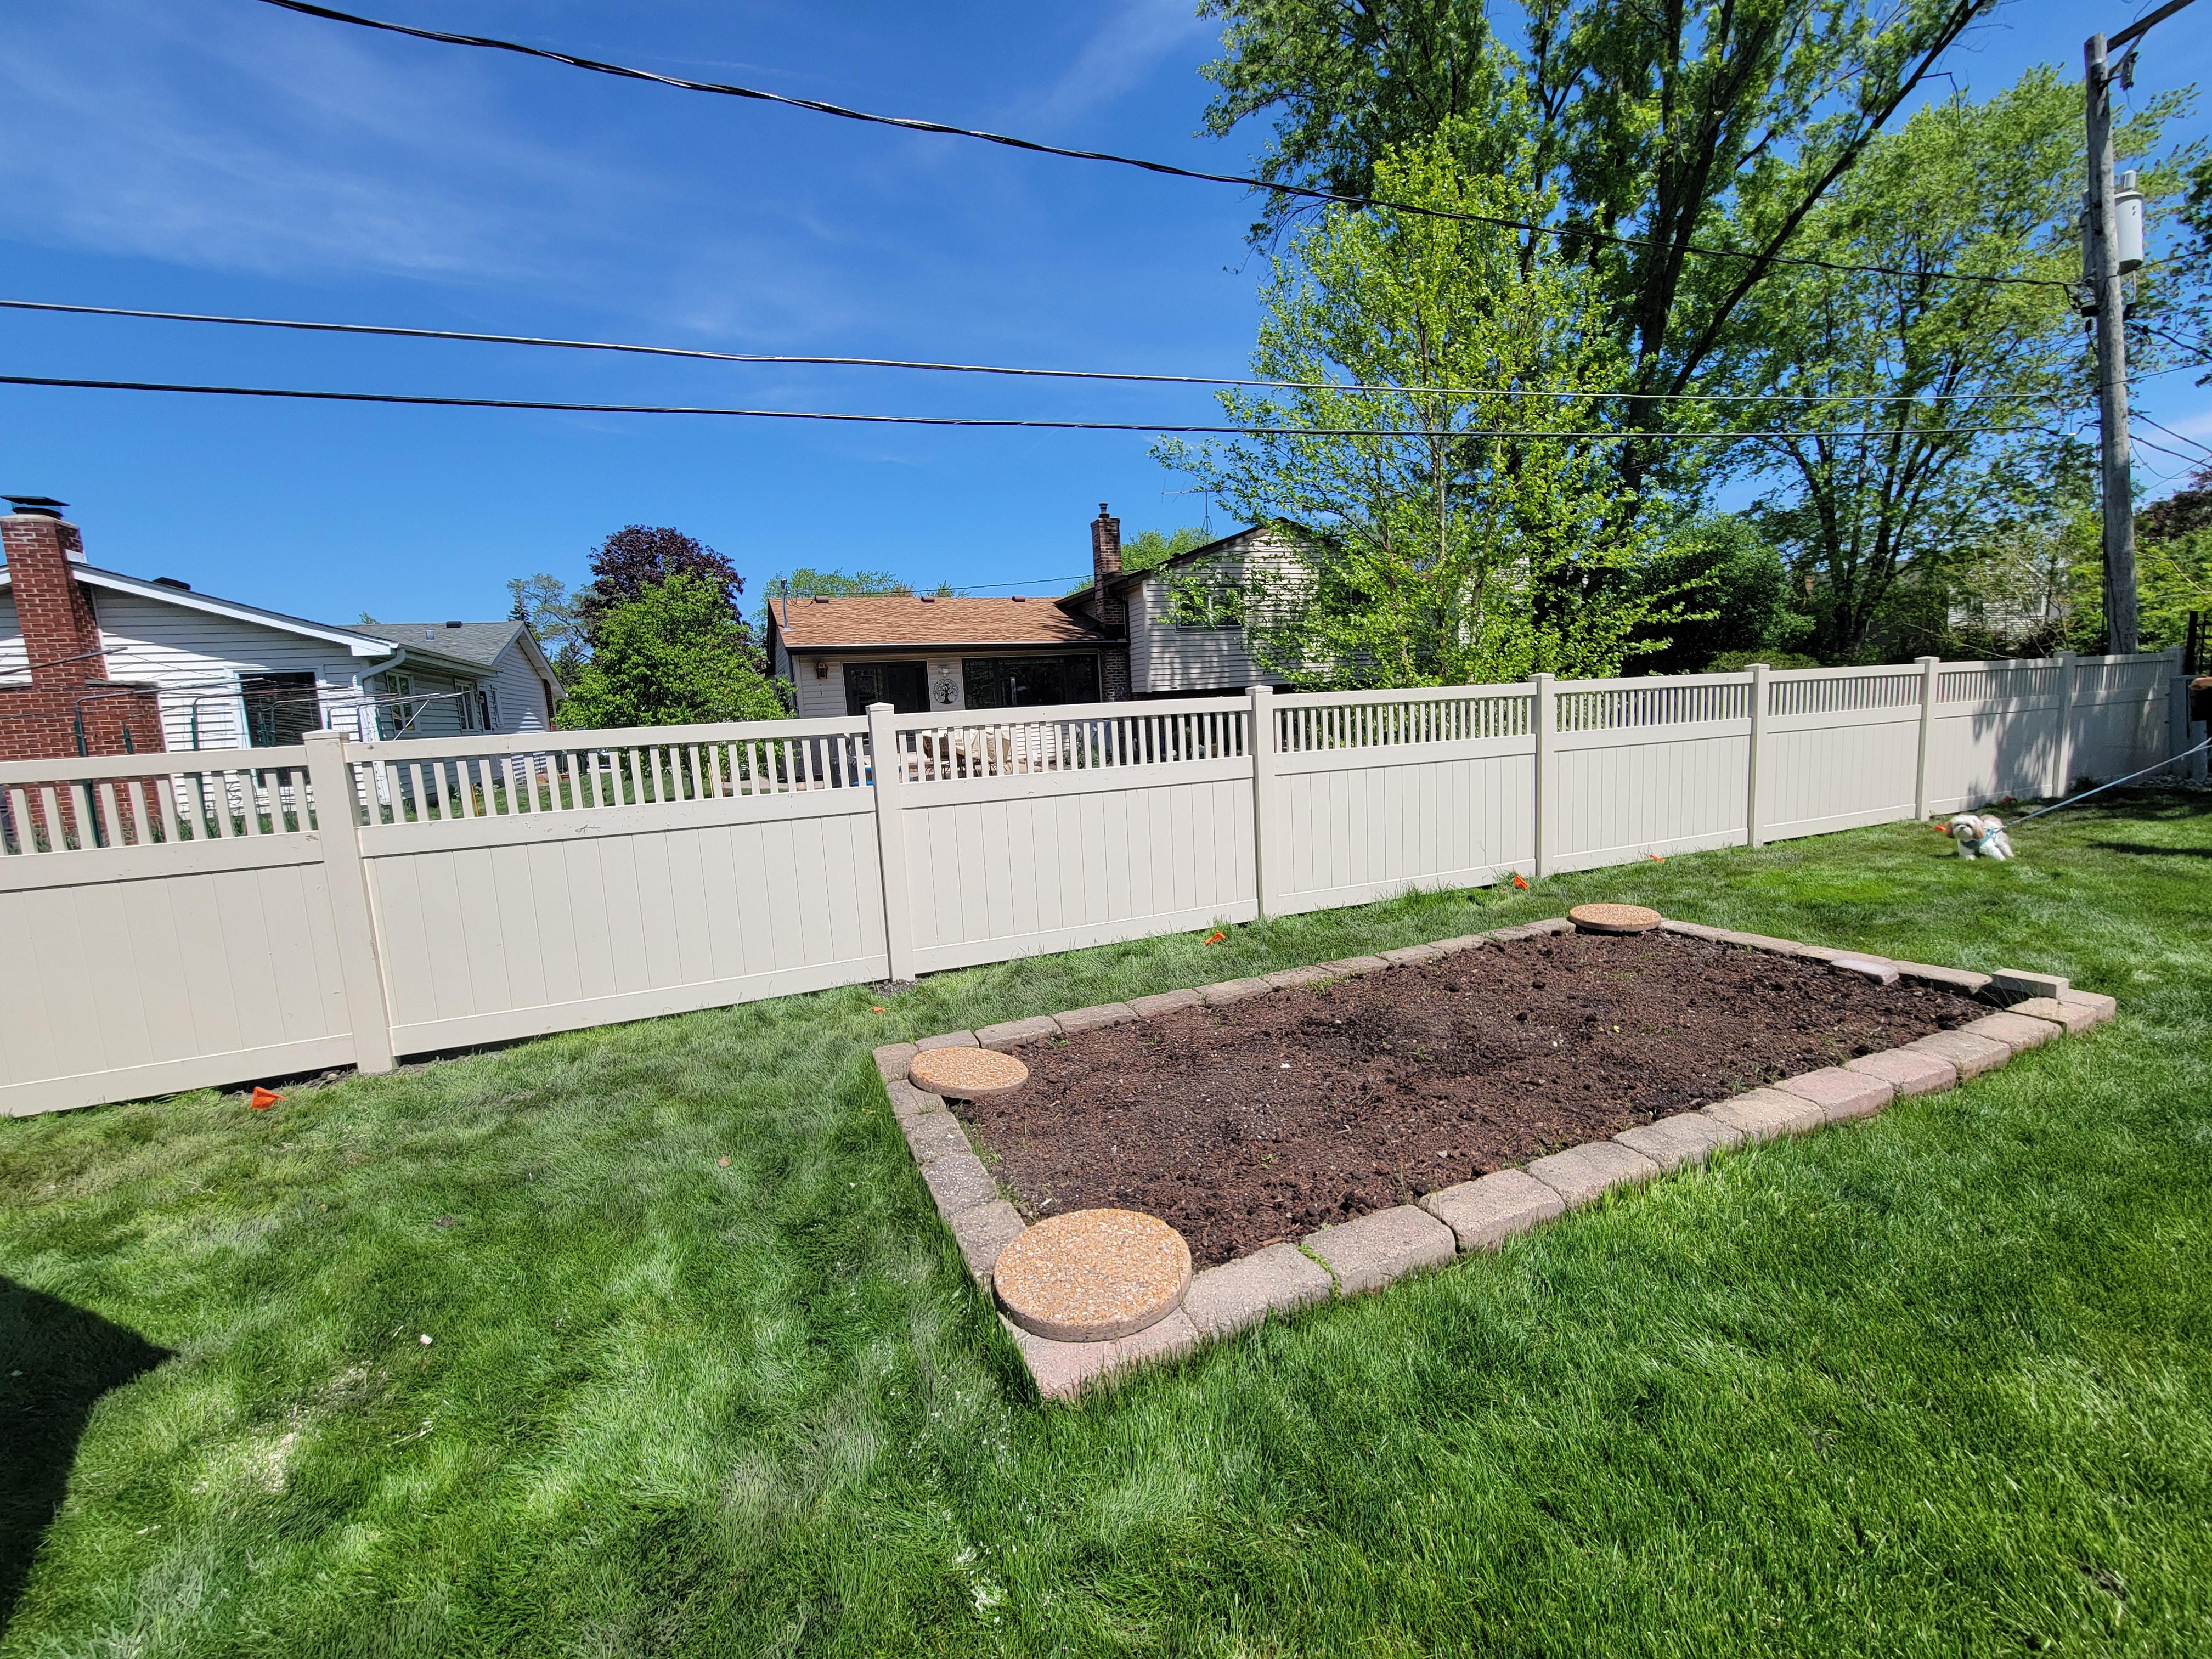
[1374, 1251]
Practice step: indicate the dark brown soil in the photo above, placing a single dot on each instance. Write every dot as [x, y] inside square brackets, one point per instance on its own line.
[1272, 1116]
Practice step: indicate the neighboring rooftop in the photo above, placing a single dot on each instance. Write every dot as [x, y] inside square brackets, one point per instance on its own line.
[865, 620]
[477, 642]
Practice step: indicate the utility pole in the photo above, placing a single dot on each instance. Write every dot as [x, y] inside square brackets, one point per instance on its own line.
[2109, 303]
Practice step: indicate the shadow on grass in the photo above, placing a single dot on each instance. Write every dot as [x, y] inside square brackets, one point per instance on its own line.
[56, 1361]
[2151, 852]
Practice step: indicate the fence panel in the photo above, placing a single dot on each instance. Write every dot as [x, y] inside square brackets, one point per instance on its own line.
[1378, 792]
[1645, 768]
[1843, 750]
[1995, 732]
[1025, 835]
[520, 888]
[167, 927]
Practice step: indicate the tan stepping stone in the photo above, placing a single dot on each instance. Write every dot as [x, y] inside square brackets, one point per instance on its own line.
[1766, 1113]
[1009, 1032]
[931, 1136]
[1684, 1138]
[1614, 918]
[958, 1181]
[947, 1040]
[985, 1230]
[967, 1073]
[1483, 1213]
[1095, 1018]
[1971, 1054]
[1290, 977]
[1233, 990]
[2017, 1032]
[1280, 1278]
[891, 1060]
[1165, 1003]
[1583, 1173]
[1379, 1249]
[1946, 979]
[1840, 1093]
[1907, 1073]
[1061, 1369]
[1093, 1276]
[2075, 1017]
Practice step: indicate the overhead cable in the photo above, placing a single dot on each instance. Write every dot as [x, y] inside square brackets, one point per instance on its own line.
[803, 361]
[492, 43]
[1165, 427]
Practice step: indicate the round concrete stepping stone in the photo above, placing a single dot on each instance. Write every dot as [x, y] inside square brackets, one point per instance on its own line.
[1614, 918]
[966, 1073]
[1093, 1276]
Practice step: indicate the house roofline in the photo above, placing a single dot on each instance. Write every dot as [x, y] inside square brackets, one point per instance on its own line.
[927, 648]
[360, 645]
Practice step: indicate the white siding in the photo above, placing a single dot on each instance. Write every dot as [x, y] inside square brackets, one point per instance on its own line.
[819, 699]
[197, 657]
[1168, 661]
[520, 688]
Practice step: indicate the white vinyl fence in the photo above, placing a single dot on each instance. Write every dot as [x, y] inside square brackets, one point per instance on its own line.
[211, 917]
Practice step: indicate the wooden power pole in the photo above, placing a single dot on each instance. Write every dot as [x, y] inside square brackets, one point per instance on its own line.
[2104, 270]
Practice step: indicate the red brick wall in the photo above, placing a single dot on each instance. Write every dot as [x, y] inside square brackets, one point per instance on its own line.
[70, 693]
[1110, 612]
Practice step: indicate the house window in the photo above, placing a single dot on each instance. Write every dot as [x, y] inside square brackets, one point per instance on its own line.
[1026, 682]
[396, 718]
[279, 709]
[904, 685]
[1202, 600]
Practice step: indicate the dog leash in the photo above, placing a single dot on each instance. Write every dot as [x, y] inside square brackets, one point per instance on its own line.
[2114, 784]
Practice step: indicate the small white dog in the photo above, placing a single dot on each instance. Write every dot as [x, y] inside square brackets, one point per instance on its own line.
[1980, 837]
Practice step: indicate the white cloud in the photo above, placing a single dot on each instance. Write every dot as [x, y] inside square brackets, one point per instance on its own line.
[1116, 59]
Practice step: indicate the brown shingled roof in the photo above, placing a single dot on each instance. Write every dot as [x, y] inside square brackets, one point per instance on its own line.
[880, 620]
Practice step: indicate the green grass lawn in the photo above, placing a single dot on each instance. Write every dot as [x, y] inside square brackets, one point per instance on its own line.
[1936, 1382]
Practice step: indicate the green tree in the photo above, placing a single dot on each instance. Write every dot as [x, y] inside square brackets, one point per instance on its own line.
[1719, 123]
[1878, 497]
[673, 656]
[1734, 585]
[1450, 536]
[1151, 548]
[544, 605]
[807, 582]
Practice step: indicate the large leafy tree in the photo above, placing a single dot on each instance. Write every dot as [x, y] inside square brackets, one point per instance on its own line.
[1667, 123]
[1450, 536]
[673, 656]
[1979, 381]
[639, 556]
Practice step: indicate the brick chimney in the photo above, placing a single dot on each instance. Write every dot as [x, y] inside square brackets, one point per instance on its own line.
[68, 705]
[1109, 610]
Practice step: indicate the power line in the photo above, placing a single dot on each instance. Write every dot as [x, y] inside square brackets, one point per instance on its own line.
[911, 124]
[427, 401]
[2178, 437]
[798, 360]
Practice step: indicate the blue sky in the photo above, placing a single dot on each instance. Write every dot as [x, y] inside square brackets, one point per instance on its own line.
[223, 155]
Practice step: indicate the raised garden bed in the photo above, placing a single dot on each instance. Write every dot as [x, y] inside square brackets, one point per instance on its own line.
[1347, 1090]
[1265, 1118]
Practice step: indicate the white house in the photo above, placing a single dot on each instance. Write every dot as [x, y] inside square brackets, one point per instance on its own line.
[231, 675]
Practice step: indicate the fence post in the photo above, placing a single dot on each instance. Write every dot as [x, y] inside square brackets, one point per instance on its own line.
[1267, 825]
[1755, 825]
[1931, 683]
[338, 825]
[1544, 722]
[2062, 750]
[886, 770]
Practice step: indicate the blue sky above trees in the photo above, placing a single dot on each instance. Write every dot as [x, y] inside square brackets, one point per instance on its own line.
[222, 156]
